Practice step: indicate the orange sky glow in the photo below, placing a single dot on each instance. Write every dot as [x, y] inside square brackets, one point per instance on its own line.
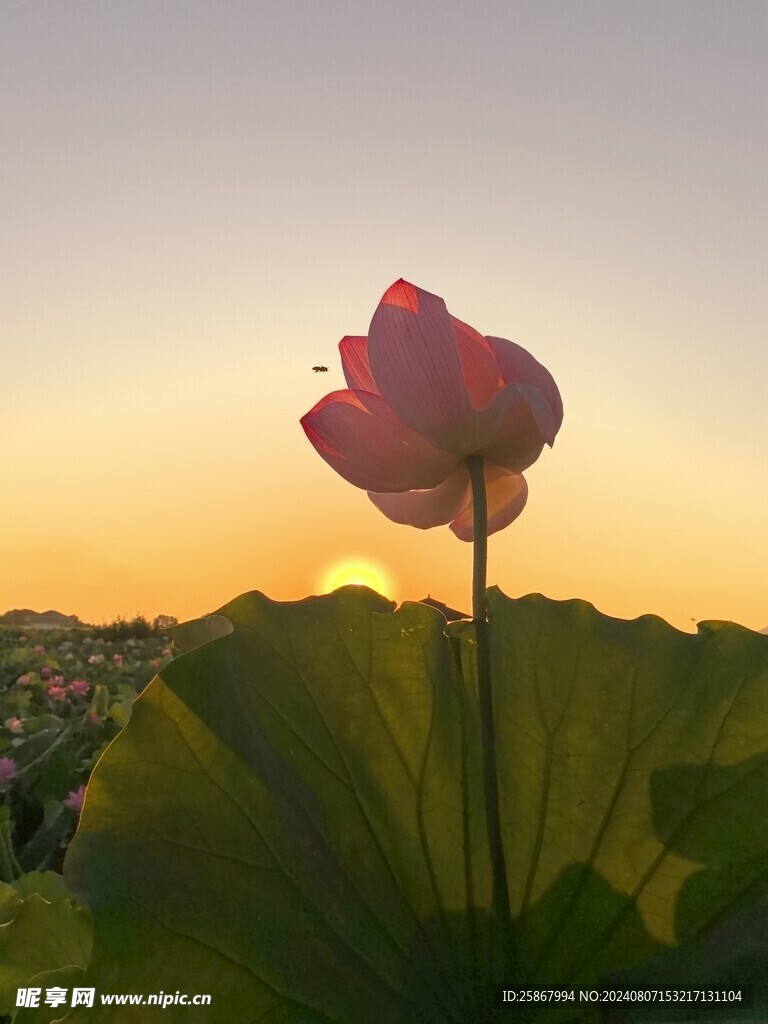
[202, 200]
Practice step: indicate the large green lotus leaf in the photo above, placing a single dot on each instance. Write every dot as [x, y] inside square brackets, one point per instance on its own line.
[189, 635]
[41, 929]
[292, 821]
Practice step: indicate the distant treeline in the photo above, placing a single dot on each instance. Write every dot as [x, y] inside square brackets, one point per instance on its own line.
[121, 628]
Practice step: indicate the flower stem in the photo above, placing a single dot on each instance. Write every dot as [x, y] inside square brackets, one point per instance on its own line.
[488, 731]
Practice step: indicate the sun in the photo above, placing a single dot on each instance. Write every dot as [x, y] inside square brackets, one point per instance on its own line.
[356, 571]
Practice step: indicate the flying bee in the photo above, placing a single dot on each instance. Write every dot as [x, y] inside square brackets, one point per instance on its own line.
[320, 369]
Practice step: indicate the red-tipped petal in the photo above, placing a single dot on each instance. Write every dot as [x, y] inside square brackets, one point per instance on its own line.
[360, 437]
[402, 294]
[506, 495]
[354, 362]
[427, 508]
[414, 359]
[517, 366]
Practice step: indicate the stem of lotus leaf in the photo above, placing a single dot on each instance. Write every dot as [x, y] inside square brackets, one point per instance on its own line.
[485, 694]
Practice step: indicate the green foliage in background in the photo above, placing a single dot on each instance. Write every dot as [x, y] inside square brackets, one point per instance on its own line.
[51, 735]
[64, 694]
[41, 929]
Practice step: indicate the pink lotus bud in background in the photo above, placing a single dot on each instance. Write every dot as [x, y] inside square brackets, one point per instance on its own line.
[96, 659]
[167, 652]
[79, 687]
[45, 672]
[57, 680]
[14, 725]
[118, 659]
[154, 662]
[23, 680]
[426, 391]
[38, 649]
[74, 799]
[57, 692]
[7, 769]
[93, 719]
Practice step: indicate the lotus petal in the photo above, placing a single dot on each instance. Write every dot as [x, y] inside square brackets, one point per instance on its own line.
[415, 361]
[427, 508]
[354, 362]
[506, 495]
[360, 437]
[517, 366]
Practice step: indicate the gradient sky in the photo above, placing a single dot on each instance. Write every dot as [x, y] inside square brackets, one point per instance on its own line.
[201, 197]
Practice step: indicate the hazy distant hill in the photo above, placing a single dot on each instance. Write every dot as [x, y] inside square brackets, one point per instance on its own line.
[39, 620]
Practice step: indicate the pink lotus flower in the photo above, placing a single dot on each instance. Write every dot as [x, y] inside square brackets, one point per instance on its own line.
[118, 659]
[14, 725]
[93, 718]
[425, 392]
[23, 680]
[57, 692]
[7, 769]
[57, 680]
[74, 799]
[79, 687]
[167, 652]
[38, 649]
[45, 672]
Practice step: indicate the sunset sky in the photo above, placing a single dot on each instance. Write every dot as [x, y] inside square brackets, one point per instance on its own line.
[201, 197]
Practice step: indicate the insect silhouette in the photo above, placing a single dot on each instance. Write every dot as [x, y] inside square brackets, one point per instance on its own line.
[320, 369]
